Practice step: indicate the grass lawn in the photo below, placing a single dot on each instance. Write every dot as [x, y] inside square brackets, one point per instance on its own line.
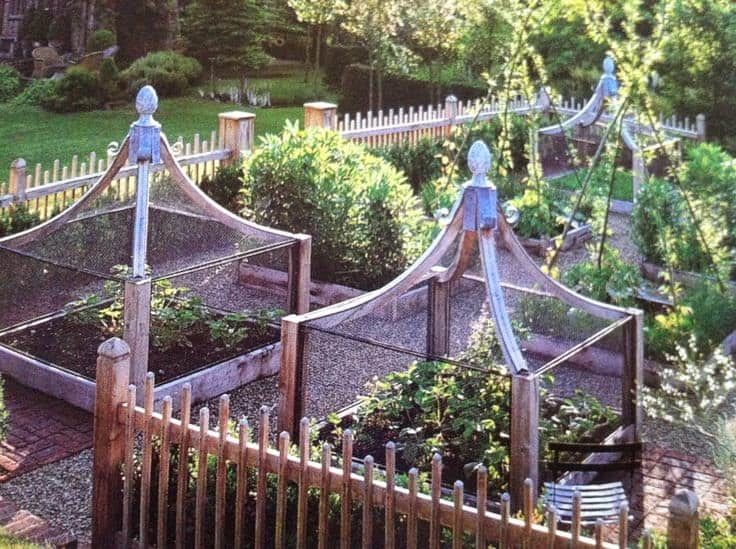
[39, 136]
[622, 185]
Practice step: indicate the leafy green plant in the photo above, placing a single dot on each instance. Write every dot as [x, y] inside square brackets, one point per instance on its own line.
[17, 219]
[35, 92]
[100, 39]
[362, 215]
[78, 90]
[613, 281]
[421, 162]
[9, 83]
[169, 72]
[224, 187]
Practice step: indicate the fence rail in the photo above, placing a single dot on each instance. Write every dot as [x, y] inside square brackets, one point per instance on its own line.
[121, 426]
[46, 190]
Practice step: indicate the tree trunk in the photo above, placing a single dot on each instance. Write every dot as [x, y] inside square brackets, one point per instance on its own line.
[173, 29]
[379, 82]
[308, 54]
[317, 51]
[370, 84]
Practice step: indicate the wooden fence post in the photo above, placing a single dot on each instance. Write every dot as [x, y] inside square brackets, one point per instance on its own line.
[438, 318]
[524, 455]
[683, 527]
[137, 317]
[451, 111]
[109, 443]
[320, 115]
[18, 180]
[700, 127]
[300, 274]
[632, 376]
[237, 132]
[291, 375]
[638, 170]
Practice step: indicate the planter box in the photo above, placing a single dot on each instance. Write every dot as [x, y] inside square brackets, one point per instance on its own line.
[652, 271]
[573, 239]
[79, 391]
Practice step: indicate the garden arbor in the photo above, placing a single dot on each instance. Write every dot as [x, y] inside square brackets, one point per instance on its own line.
[476, 263]
[153, 259]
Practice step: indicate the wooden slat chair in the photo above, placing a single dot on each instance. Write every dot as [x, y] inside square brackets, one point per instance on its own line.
[597, 501]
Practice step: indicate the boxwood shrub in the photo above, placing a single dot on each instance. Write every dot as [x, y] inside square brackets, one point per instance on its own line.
[362, 214]
[9, 83]
[169, 72]
[79, 90]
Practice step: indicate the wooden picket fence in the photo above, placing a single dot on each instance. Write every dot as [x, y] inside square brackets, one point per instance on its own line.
[46, 191]
[121, 426]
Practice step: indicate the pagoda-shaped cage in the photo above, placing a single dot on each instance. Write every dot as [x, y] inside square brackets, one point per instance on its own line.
[572, 142]
[156, 261]
[475, 306]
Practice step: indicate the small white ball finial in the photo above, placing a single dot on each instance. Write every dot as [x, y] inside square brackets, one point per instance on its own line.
[608, 65]
[146, 102]
[479, 160]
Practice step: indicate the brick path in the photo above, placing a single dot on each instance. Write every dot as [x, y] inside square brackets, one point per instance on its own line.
[29, 527]
[665, 471]
[42, 430]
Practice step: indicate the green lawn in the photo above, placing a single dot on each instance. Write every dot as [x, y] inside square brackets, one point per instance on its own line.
[622, 185]
[39, 136]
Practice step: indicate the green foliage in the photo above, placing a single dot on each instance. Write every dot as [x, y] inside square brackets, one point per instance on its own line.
[176, 318]
[17, 219]
[4, 413]
[225, 34]
[718, 532]
[420, 162]
[552, 317]
[79, 90]
[622, 183]
[358, 208]
[614, 281]
[171, 73]
[224, 187]
[35, 92]
[100, 40]
[143, 27]
[9, 83]
[35, 25]
[110, 80]
[667, 232]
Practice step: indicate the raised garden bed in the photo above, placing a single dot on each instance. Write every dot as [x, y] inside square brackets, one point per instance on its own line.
[573, 239]
[58, 355]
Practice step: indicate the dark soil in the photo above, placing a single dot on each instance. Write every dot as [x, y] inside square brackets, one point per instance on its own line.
[73, 346]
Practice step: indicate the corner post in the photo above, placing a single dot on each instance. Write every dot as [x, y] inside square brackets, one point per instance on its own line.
[237, 134]
[524, 455]
[300, 274]
[320, 115]
[291, 375]
[136, 328]
[700, 127]
[683, 525]
[18, 180]
[438, 317]
[109, 441]
[451, 111]
[632, 375]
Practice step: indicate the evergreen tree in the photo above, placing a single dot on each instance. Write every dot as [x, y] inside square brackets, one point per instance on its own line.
[225, 35]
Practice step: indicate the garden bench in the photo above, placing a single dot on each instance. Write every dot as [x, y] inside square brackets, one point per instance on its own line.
[597, 501]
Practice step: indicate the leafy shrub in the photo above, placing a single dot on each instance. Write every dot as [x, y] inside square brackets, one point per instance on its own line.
[79, 90]
[35, 92]
[224, 188]
[100, 40]
[110, 80]
[421, 162]
[17, 219]
[169, 72]
[616, 281]
[359, 209]
[664, 227]
[9, 83]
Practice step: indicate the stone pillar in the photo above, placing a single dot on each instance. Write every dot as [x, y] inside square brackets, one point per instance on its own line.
[320, 115]
[237, 134]
[683, 528]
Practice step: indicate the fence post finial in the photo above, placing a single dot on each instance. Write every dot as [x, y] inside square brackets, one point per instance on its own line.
[683, 528]
[18, 179]
[479, 161]
[145, 133]
[320, 114]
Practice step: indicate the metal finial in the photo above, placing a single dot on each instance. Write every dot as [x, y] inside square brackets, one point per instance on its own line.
[145, 133]
[479, 163]
[609, 66]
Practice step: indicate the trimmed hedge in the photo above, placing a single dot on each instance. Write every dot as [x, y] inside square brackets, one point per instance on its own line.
[169, 72]
[9, 83]
[79, 90]
[398, 91]
[364, 219]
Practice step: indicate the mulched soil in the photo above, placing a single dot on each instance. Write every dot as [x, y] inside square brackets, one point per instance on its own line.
[73, 346]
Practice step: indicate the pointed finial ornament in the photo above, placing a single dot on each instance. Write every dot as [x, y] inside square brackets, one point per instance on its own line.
[479, 163]
[608, 80]
[609, 66]
[145, 133]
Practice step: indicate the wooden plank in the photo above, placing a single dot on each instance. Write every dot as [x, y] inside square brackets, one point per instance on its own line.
[481, 501]
[411, 519]
[223, 418]
[146, 458]
[390, 504]
[524, 451]
[261, 488]
[130, 433]
[201, 497]
[367, 498]
[241, 490]
[436, 490]
[324, 496]
[280, 541]
[457, 526]
[303, 485]
[291, 375]
[346, 492]
[182, 480]
[163, 475]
